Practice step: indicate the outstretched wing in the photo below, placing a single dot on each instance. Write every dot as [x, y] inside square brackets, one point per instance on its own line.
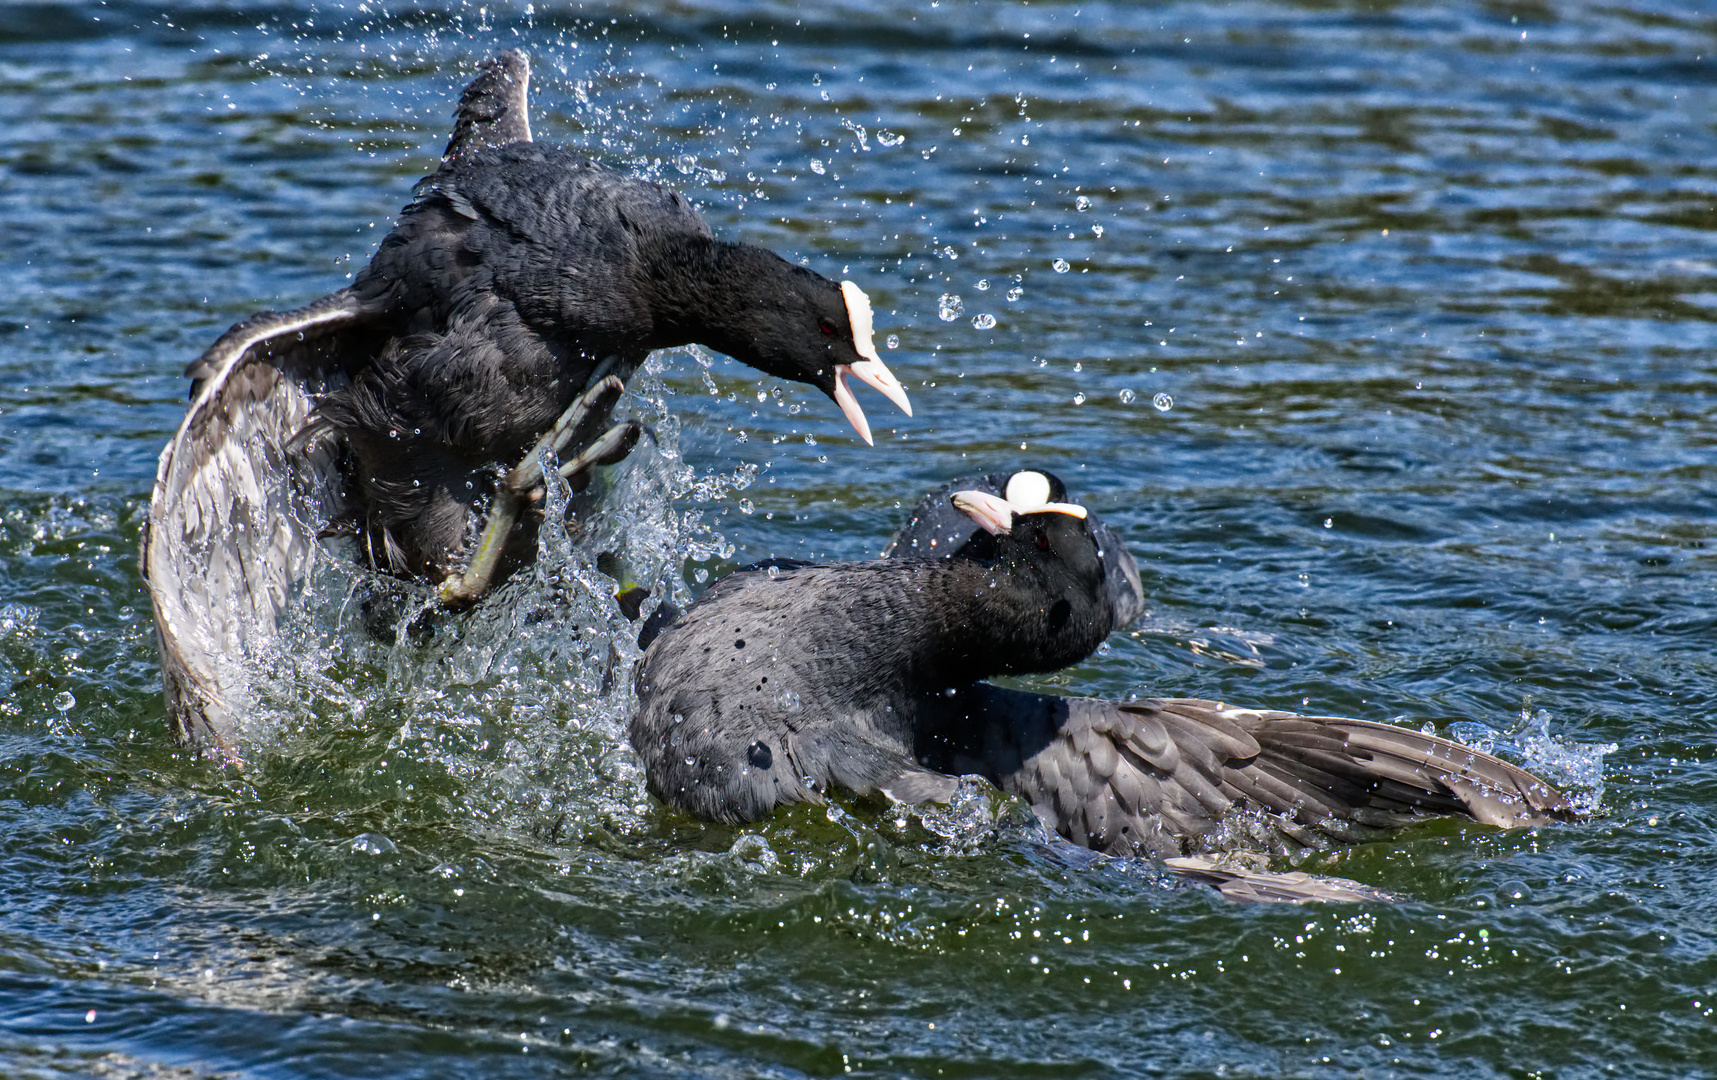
[239, 497]
[1255, 885]
[244, 487]
[495, 108]
[1148, 777]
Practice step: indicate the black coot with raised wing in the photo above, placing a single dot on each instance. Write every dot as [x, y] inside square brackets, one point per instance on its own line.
[520, 288]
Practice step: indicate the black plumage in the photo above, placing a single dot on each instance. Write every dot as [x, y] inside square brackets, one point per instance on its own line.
[936, 528]
[868, 676]
[780, 683]
[520, 277]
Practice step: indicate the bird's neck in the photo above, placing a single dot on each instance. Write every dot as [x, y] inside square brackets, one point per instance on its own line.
[973, 621]
[707, 289]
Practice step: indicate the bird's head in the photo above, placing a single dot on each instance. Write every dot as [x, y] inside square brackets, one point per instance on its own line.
[811, 330]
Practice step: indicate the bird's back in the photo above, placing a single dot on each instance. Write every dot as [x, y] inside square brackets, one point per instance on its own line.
[775, 686]
[568, 241]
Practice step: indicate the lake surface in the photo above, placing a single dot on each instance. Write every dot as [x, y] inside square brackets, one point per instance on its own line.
[1384, 334]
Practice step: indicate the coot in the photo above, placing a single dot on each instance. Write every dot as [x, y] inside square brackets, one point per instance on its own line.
[782, 682]
[867, 676]
[522, 285]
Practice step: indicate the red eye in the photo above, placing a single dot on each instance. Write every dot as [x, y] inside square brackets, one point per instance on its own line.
[826, 327]
[1041, 541]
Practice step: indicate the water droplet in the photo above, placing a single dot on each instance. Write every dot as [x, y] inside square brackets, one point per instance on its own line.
[701, 574]
[677, 718]
[983, 284]
[745, 506]
[1163, 402]
[1329, 523]
[889, 138]
[690, 760]
[810, 440]
[817, 167]
[65, 701]
[1061, 266]
[1097, 230]
[789, 701]
[762, 395]
[1015, 293]
[893, 341]
[950, 307]
[985, 321]
[772, 572]
[686, 163]
[373, 844]
[1127, 397]
[1082, 204]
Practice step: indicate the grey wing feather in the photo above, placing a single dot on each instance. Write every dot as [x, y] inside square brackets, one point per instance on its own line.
[1150, 777]
[1256, 886]
[284, 337]
[239, 496]
[495, 108]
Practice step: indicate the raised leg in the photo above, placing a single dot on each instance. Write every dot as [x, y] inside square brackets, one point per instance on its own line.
[581, 426]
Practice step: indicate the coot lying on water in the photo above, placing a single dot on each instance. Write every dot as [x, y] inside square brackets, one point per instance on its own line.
[522, 284]
[781, 682]
[777, 685]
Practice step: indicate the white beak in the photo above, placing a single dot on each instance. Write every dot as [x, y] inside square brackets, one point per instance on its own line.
[869, 370]
[996, 514]
[1028, 491]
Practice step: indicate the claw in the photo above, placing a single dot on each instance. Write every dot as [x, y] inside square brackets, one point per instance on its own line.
[523, 485]
[574, 427]
[610, 447]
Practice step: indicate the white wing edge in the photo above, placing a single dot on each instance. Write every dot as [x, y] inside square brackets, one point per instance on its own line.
[235, 498]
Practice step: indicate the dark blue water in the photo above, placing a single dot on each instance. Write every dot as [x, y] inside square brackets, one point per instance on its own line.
[1383, 333]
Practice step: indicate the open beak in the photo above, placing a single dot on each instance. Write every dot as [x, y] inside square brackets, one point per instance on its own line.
[869, 370]
[992, 512]
[872, 373]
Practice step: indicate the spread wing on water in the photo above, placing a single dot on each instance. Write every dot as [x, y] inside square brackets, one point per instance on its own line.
[1151, 777]
[240, 494]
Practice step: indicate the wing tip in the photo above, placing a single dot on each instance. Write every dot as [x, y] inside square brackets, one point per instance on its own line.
[494, 109]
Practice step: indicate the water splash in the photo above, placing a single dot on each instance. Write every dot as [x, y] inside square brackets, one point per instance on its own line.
[1576, 768]
[521, 703]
